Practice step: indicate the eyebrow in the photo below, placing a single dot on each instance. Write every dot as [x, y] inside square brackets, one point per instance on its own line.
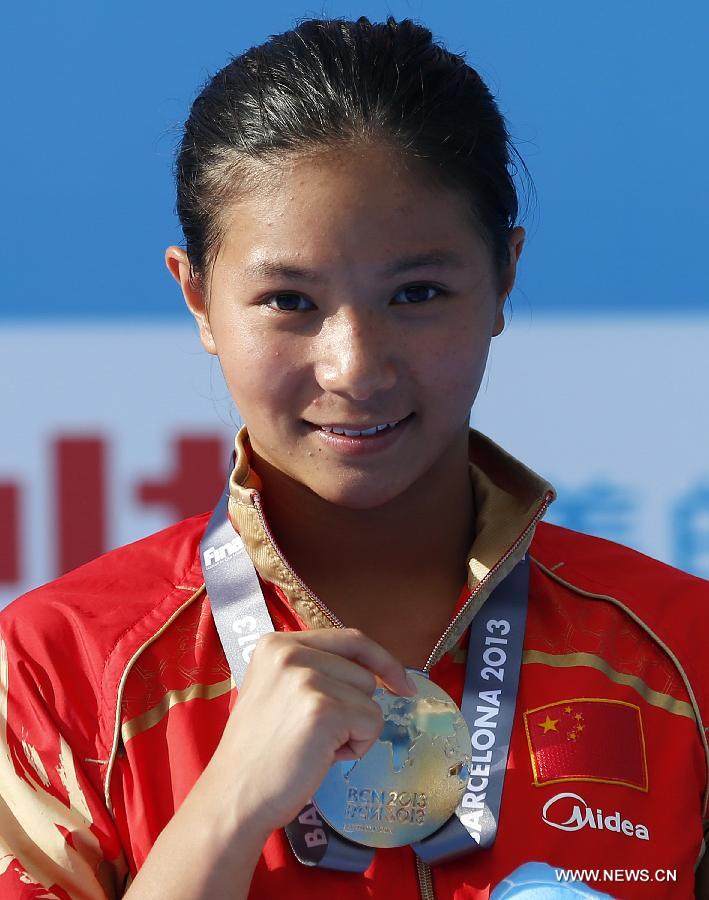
[274, 269]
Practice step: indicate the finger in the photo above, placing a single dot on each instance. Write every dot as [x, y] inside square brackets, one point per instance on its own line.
[365, 721]
[353, 750]
[364, 734]
[352, 644]
[289, 652]
[334, 668]
[357, 708]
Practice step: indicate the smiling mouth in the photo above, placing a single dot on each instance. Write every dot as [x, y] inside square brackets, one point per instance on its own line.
[370, 432]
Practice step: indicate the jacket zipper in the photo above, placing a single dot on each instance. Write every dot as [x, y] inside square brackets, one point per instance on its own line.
[435, 654]
[423, 870]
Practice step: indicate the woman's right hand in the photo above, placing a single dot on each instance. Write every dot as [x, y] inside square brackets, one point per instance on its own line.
[306, 702]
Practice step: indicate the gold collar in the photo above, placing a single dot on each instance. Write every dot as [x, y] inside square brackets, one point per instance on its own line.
[509, 500]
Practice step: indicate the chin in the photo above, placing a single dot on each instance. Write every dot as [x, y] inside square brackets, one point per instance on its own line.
[359, 496]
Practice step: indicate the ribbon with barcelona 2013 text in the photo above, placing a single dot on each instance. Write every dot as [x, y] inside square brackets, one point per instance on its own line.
[488, 705]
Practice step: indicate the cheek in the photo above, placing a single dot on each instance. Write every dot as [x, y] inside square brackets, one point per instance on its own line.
[261, 375]
[453, 366]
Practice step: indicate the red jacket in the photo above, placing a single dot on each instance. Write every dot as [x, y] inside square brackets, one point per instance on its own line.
[115, 691]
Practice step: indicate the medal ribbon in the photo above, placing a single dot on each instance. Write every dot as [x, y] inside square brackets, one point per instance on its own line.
[489, 698]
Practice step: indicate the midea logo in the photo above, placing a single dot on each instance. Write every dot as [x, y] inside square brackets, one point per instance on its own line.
[582, 816]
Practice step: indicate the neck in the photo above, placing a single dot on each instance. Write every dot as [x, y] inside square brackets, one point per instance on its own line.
[420, 538]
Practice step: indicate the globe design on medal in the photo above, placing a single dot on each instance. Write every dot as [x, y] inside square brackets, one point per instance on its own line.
[410, 781]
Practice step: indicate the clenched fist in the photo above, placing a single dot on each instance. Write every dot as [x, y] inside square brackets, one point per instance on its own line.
[306, 702]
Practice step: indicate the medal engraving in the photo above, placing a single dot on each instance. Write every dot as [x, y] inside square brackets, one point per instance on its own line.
[410, 781]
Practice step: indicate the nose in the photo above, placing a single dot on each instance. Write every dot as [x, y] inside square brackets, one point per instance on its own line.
[356, 355]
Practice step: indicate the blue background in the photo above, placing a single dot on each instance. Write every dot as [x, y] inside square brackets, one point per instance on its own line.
[607, 104]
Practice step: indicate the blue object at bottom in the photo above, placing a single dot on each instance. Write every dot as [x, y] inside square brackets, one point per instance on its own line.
[538, 881]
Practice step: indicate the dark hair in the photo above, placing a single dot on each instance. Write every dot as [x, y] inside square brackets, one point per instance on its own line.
[329, 82]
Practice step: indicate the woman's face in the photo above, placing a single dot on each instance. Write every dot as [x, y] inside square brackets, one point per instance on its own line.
[350, 293]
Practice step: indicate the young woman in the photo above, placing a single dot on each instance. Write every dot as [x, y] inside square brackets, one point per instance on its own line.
[350, 219]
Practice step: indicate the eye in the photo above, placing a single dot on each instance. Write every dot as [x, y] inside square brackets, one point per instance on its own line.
[289, 303]
[418, 293]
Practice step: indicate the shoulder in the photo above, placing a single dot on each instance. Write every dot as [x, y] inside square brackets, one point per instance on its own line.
[671, 606]
[82, 629]
[119, 585]
[599, 566]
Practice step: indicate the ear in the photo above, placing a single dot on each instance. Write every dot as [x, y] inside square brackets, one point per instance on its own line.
[178, 263]
[516, 243]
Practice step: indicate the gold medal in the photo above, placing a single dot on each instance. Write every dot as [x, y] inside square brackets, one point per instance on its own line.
[410, 781]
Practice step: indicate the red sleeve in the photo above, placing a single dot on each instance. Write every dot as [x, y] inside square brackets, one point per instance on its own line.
[57, 837]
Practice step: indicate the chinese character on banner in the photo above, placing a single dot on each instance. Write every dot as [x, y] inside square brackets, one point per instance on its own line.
[599, 508]
[691, 531]
[79, 516]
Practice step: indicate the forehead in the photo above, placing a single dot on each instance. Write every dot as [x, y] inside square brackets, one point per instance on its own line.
[349, 204]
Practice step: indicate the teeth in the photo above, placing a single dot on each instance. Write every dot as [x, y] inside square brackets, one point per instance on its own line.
[366, 433]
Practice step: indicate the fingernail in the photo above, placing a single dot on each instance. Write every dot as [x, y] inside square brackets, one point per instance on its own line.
[411, 683]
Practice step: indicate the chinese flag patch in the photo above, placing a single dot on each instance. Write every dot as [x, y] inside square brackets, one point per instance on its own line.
[587, 739]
